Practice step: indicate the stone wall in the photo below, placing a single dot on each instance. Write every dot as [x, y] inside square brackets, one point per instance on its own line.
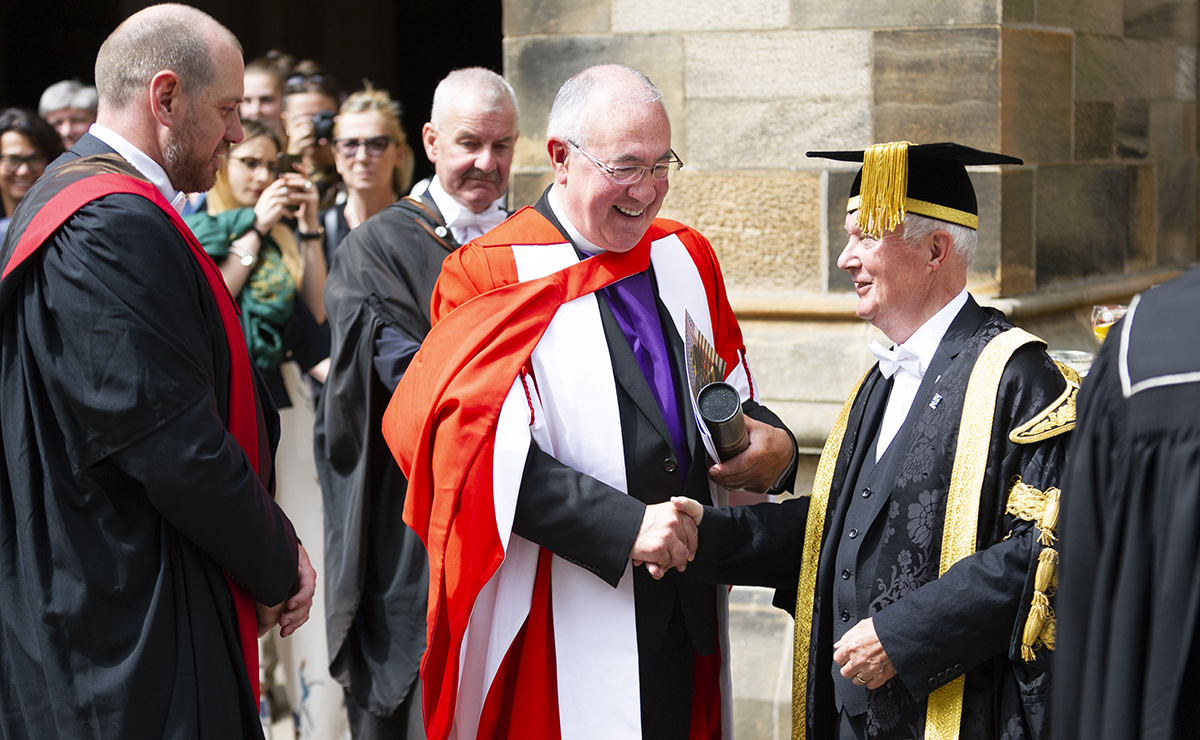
[1098, 97]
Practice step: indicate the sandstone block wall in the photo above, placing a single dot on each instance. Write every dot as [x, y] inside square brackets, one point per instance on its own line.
[1097, 96]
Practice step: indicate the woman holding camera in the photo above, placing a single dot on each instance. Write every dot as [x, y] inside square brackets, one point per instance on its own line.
[310, 102]
[277, 275]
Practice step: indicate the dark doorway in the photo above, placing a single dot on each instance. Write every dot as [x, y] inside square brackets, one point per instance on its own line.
[401, 46]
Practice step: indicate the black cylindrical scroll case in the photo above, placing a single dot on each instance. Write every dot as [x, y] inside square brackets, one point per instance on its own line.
[721, 408]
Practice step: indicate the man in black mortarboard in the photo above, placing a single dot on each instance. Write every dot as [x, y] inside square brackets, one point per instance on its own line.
[1127, 601]
[923, 556]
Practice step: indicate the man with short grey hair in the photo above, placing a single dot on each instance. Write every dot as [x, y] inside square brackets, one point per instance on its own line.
[545, 426]
[141, 552]
[70, 107]
[377, 302]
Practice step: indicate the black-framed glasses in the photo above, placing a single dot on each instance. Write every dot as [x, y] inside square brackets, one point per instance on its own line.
[11, 162]
[375, 146]
[631, 174]
[254, 163]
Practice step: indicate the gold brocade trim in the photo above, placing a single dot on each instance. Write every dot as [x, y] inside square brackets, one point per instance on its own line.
[807, 588]
[925, 208]
[943, 717]
[1056, 418]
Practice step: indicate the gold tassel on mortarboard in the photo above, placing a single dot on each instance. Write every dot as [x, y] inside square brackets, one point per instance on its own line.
[884, 187]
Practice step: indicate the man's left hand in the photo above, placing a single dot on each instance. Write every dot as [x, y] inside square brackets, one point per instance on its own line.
[757, 466]
[297, 606]
[293, 612]
[862, 658]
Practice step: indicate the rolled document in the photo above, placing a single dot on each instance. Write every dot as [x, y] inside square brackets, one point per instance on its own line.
[721, 408]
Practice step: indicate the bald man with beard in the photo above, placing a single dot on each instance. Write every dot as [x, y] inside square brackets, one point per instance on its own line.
[141, 552]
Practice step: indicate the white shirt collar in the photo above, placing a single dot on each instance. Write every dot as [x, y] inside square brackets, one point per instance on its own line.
[142, 163]
[456, 213]
[926, 339]
[572, 232]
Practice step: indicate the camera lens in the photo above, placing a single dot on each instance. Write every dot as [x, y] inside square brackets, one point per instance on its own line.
[323, 125]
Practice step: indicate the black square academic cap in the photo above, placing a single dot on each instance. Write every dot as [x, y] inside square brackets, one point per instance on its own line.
[927, 179]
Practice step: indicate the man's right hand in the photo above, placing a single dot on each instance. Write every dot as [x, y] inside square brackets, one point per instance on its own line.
[667, 539]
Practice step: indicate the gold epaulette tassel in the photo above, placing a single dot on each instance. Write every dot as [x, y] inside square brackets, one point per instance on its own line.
[884, 187]
[1039, 627]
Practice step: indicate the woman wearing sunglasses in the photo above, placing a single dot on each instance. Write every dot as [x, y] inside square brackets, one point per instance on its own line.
[373, 159]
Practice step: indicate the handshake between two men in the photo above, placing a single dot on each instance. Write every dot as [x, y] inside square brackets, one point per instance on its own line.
[668, 537]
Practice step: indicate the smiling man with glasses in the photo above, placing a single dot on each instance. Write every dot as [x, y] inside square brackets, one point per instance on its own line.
[545, 426]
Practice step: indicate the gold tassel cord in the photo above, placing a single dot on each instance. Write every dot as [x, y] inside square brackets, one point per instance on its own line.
[1039, 626]
[884, 187]
[1041, 508]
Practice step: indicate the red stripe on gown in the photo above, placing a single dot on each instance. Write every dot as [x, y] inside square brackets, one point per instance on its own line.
[243, 419]
[522, 701]
[706, 695]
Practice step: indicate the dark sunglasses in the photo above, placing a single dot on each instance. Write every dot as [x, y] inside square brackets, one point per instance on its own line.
[375, 145]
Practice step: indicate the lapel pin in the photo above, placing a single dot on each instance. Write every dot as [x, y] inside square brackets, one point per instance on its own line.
[937, 398]
[441, 231]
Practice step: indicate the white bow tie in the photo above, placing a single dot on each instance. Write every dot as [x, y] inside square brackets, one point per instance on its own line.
[474, 225]
[899, 358]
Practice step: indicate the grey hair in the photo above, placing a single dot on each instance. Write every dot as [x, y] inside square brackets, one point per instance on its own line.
[568, 119]
[162, 37]
[964, 238]
[495, 94]
[68, 94]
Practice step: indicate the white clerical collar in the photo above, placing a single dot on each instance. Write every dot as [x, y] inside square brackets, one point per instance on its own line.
[573, 233]
[464, 223]
[142, 163]
[925, 340]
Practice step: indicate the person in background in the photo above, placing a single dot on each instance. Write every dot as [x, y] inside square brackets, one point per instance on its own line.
[27, 145]
[373, 159]
[377, 298]
[310, 102]
[262, 99]
[261, 227]
[70, 107]
[276, 273]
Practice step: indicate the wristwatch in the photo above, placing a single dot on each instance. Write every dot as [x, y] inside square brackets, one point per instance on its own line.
[248, 258]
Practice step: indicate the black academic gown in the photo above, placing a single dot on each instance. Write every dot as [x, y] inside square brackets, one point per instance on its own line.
[970, 620]
[376, 571]
[593, 525]
[1128, 659]
[122, 495]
